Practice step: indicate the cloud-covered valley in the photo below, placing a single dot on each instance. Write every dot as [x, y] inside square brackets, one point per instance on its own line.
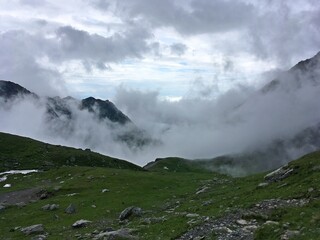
[242, 120]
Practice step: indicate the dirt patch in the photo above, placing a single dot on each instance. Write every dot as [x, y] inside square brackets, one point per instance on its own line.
[22, 196]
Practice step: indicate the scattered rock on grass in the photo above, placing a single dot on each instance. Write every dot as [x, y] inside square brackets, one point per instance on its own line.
[192, 215]
[290, 234]
[2, 207]
[50, 207]
[279, 174]
[37, 228]
[71, 209]
[40, 237]
[130, 211]
[202, 190]
[80, 223]
[264, 184]
[123, 233]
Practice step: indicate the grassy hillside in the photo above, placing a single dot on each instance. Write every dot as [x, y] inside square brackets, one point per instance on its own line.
[176, 205]
[235, 165]
[24, 153]
[175, 164]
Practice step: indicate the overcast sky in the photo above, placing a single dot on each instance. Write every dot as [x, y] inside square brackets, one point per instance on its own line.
[174, 47]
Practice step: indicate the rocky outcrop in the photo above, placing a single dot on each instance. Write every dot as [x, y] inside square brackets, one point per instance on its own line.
[80, 223]
[34, 229]
[130, 212]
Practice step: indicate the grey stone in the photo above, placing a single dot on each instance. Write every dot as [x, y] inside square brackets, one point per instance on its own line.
[2, 207]
[71, 209]
[289, 234]
[279, 174]
[130, 211]
[202, 190]
[123, 233]
[192, 215]
[80, 223]
[38, 228]
[40, 237]
[264, 184]
[50, 207]
[241, 222]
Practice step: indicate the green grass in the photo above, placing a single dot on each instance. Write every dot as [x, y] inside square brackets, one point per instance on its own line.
[24, 153]
[175, 164]
[165, 194]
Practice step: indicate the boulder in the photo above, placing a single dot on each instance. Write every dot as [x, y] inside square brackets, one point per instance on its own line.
[2, 207]
[50, 207]
[71, 209]
[192, 215]
[130, 211]
[37, 228]
[123, 233]
[279, 174]
[80, 223]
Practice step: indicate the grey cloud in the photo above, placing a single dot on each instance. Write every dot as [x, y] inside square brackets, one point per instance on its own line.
[178, 48]
[284, 34]
[240, 120]
[21, 53]
[33, 2]
[283, 31]
[78, 44]
[188, 17]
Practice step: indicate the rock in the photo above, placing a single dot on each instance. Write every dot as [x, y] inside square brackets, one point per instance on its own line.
[130, 211]
[2, 207]
[242, 222]
[80, 223]
[71, 209]
[50, 207]
[290, 234]
[250, 228]
[202, 190]
[38, 228]
[105, 190]
[21, 204]
[123, 233]
[44, 195]
[310, 190]
[40, 237]
[8, 185]
[264, 184]
[153, 220]
[192, 215]
[72, 194]
[279, 174]
[207, 203]
[271, 223]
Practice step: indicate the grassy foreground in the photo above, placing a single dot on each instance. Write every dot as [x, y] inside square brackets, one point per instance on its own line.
[25, 153]
[167, 199]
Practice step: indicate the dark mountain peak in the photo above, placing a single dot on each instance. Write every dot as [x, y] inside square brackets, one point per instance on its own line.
[9, 90]
[304, 72]
[104, 109]
[308, 64]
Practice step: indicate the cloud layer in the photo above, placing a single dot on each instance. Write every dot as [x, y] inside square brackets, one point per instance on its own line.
[63, 47]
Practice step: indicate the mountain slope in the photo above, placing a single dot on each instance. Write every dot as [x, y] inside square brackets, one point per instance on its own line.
[174, 205]
[304, 72]
[104, 109]
[62, 116]
[10, 90]
[24, 153]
